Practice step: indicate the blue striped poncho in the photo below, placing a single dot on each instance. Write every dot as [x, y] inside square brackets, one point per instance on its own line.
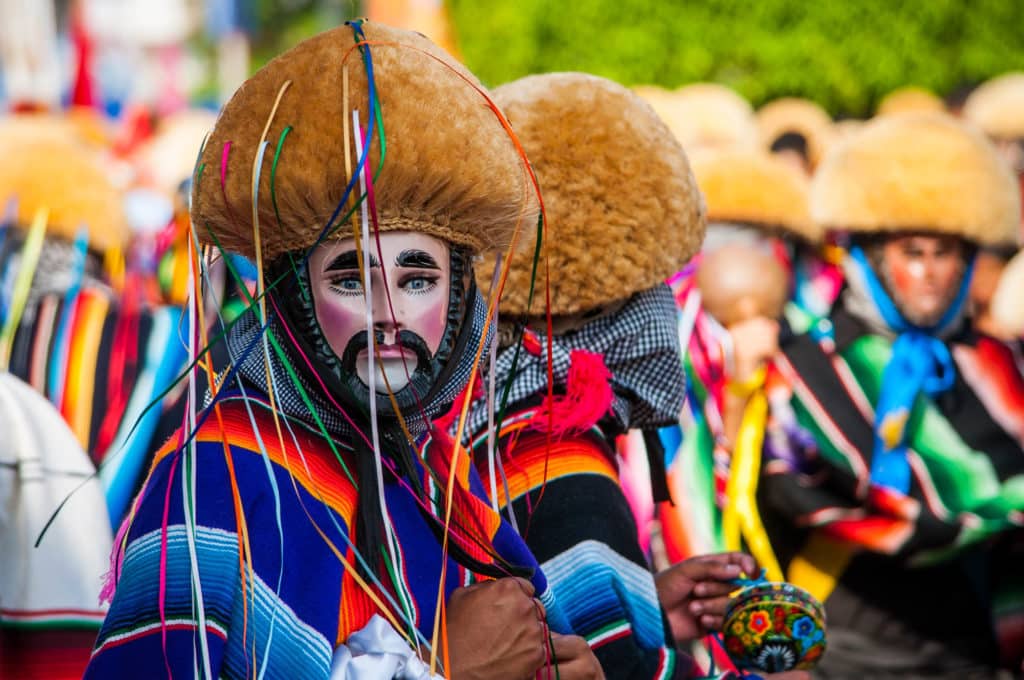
[249, 540]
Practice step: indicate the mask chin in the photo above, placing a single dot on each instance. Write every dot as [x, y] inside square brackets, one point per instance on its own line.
[396, 370]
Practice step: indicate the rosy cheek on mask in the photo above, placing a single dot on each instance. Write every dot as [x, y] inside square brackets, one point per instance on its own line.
[908, 277]
[338, 321]
[432, 323]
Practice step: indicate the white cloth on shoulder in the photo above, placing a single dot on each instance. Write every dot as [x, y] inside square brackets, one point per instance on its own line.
[378, 652]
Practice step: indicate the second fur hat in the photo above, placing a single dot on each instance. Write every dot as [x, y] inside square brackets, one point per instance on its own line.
[623, 208]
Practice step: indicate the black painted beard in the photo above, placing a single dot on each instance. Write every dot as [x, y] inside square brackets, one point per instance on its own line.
[407, 340]
[431, 388]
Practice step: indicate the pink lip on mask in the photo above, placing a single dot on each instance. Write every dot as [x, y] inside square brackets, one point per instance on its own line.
[392, 352]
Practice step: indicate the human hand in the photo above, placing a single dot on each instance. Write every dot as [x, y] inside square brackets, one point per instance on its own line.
[754, 341]
[575, 660]
[695, 592]
[496, 631]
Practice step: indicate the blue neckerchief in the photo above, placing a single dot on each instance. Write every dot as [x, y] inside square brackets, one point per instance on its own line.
[920, 362]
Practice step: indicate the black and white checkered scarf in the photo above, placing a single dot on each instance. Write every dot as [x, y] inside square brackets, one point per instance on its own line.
[56, 271]
[640, 346]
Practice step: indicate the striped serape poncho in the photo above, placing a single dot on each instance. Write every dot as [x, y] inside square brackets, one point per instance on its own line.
[923, 582]
[239, 560]
[572, 513]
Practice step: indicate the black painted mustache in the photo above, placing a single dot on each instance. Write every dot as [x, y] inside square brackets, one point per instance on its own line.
[405, 340]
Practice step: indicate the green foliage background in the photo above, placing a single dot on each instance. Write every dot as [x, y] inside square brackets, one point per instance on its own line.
[844, 54]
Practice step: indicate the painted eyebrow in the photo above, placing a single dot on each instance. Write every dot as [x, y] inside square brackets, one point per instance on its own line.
[416, 258]
[350, 260]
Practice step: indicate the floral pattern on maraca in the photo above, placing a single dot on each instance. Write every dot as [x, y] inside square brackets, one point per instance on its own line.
[774, 627]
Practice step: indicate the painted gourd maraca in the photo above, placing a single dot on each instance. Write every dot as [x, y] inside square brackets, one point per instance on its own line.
[774, 627]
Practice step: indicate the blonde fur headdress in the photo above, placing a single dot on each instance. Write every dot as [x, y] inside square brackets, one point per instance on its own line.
[1006, 307]
[623, 209]
[70, 181]
[705, 115]
[910, 100]
[997, 106]
[449, 170]
[799, 116]
[752, 187]
[918, 172]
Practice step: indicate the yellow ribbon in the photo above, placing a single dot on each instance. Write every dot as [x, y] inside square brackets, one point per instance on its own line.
[82, 365]
[180, 277]
[747, 387]
[820, 564]
[23, 283]
[114, 264]
[740, 518]
[823, 559]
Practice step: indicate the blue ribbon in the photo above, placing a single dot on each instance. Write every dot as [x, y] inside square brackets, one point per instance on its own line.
[920, 362]
[57, 368]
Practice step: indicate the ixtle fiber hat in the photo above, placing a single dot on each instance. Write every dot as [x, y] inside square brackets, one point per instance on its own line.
[756, 189]
[71, 182]
[623, 209]
[450, 169]
[997, 107]
[797, 116]
[918, 172]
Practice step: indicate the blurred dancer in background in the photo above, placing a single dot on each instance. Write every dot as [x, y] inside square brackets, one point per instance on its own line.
[892, 476]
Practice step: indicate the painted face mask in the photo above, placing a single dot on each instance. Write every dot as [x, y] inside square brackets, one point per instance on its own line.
[422, 302]
[923, 274]
[407, 298]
